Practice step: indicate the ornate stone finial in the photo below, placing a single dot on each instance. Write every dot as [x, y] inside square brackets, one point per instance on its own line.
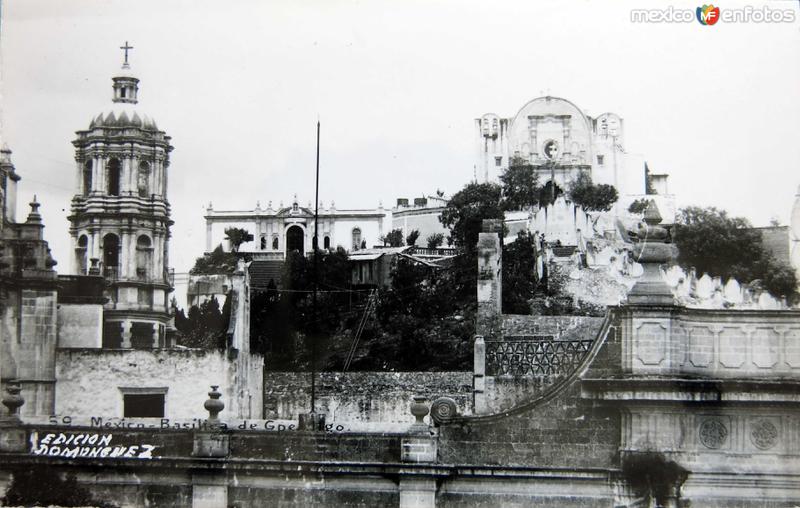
[12, 399]
[214, 406]
[651, 250]
[258, 205]
[5, 154]
[34, 217]
[210, 206]
[94, 269]
[419, 408]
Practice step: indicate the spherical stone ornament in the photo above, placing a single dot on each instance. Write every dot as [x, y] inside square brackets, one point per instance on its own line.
[443, 410]
[713, 433]
[763, 434]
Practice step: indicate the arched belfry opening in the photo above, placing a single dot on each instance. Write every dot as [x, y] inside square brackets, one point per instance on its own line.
[113, 177]
[87, 178]
[81, 254]
[111, 255]
[295, 238]
[144, 257]
[143, 178]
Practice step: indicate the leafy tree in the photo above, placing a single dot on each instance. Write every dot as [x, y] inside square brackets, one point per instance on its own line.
[520, 185]
[519, 274]
[467, 209]
[411, 239]
[434, 240]
[549, 193]
[712, 242]
[283, 322]
[205, 327]
[237, 236]
[215, 262]
[639, 205]
[591, 197]
[393, 238]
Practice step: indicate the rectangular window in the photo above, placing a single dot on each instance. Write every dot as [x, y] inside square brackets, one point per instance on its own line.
[498, 161]
[600, 160]
[143, 405]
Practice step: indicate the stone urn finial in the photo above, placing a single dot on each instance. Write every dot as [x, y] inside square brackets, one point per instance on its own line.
[652, 250]
[12, 399]
[214, 406]
[419, 408]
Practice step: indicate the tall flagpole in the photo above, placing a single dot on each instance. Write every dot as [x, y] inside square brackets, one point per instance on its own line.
[315, 328]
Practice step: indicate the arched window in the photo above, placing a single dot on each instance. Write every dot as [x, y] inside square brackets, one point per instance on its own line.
[81, 253]
[111, 255]
[113, 177]
[326, 243]
[356, 238]
[274, 243]
[144, 256]
[263, 242]
[143, 179]
[87, 178]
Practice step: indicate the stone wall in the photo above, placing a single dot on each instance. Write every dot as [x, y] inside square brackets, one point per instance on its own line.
[563, 432]
[186, 375]
[28, 346]
[80, 325]
[362, 396]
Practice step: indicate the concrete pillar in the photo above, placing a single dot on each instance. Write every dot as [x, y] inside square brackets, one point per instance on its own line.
[417, 492]
[126, 334]
[209, 490]
[479, 377]
[489, 279]
[208, 236]
[155, 335]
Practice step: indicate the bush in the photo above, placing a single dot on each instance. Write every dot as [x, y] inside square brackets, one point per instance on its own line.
[216, 262]
[591, 197]
[639, 206]
[712, 242]
[435, 240]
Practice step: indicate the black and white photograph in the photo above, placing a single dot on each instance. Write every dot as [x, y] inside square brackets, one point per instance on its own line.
[411, 254]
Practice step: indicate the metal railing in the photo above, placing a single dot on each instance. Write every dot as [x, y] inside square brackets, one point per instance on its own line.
[538, 356]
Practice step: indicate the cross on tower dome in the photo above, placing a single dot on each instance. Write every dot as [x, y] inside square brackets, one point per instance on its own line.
[125, 48]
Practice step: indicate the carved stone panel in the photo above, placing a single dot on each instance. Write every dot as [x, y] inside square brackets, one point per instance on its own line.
[791, 341]
[713, 432]
[764, 433]
[651, 343]
[732, 347]
[765, 348]
[701, 346]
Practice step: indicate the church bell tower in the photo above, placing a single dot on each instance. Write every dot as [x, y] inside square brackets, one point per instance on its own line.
[120, 216]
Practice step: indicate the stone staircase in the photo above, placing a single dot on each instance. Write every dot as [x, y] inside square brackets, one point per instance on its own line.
[262, 271]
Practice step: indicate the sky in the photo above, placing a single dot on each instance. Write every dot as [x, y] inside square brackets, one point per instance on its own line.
[240, 85]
